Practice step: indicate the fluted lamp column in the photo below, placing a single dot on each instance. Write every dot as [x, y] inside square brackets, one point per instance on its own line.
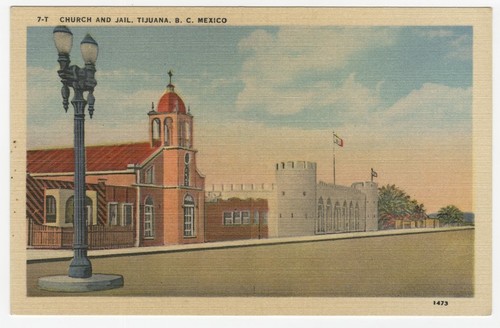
[81, 80]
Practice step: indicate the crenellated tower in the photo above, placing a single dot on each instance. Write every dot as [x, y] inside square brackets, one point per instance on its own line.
[295, 198]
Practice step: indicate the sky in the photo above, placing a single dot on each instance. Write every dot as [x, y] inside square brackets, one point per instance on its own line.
[400, 97]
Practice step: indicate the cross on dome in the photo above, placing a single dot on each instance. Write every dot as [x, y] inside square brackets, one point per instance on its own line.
[170, 76]
[170, 102]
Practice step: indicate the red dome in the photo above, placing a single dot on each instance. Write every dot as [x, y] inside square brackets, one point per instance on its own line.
[170, 102]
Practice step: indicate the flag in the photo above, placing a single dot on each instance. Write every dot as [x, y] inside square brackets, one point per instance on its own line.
[337, 140]
[374, 174]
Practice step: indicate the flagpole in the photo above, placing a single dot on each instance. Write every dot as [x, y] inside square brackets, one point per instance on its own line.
[333, 158]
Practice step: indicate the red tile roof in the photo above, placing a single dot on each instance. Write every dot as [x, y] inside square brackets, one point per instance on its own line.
[98, 158]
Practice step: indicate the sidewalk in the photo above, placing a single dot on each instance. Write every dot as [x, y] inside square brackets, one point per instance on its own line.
[43, 255]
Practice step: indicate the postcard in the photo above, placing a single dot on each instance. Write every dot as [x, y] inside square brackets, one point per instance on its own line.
[251, 161]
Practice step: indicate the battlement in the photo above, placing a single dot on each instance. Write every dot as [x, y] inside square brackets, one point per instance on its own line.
[338, 188]
[242, 187]
[295, 165]
[365, 185]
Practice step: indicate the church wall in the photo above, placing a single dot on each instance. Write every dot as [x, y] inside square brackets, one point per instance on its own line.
[171, 160]
[174, 216]
[157, 195]
[121, 195]
[199, 212]
[171, 211]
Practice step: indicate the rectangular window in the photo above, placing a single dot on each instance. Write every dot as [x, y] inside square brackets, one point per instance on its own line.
[50, 209]
[245, 216]
[264, 217]
[89, 216]
[256, 217]
[149, 175]
[228, 218]
[113, 214]
[148, 221]
[237, 218]
[127, 213]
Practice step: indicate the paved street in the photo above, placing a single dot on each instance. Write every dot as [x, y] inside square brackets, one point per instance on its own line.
[410, 265]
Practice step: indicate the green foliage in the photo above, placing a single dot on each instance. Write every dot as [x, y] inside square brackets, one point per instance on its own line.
[451, 215]
[395, 204]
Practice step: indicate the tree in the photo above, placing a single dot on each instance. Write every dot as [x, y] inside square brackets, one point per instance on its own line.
[418, 211]
[450, 215]
[396, 204]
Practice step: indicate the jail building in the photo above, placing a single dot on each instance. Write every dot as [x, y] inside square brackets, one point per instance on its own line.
[299, 205]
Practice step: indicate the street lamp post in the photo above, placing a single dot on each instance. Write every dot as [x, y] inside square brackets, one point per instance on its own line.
[81, 80]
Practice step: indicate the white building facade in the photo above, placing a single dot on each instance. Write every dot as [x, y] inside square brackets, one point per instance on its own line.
[299, 205]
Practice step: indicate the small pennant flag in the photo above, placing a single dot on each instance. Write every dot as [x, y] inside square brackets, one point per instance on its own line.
[374, 174]
[337, 140]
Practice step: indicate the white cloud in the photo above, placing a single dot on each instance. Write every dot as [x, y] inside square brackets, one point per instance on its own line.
[433, 106]
[273, 74]
[352, 97]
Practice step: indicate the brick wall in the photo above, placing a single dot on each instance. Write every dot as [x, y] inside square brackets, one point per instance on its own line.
[236, 219]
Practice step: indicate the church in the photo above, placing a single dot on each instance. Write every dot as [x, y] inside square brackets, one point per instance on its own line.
[151, 189]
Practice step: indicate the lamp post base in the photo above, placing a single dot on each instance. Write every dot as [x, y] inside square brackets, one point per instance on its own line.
[96, 282]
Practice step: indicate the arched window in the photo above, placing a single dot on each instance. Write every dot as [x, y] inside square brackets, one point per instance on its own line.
[351, 216]
[50, 209]
[70, 208]
[320, 223]
[329, 216]
[149, 218]
[167, 130]
[181, 134]
[189, 228]
[188, 135]
[345, 222]
[356, 217]
[336, 212]
[69, 216]
[155, 130]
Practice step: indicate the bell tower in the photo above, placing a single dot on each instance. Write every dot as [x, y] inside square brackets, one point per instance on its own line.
[170, 125]
[181, 185]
